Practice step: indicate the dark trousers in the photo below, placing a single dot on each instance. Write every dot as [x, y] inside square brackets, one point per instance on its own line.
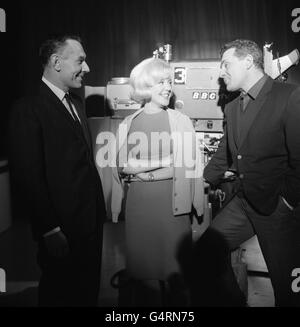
[73, 280]
[279, 239]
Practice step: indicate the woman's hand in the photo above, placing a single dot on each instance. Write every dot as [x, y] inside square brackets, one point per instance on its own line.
[135, 166]
[126, 177]
[140, 177]
[143, 177]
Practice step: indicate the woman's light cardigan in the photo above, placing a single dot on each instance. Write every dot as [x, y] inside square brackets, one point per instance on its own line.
[188, 188]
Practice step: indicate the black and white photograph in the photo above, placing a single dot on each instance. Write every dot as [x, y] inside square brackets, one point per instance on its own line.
[150, 156]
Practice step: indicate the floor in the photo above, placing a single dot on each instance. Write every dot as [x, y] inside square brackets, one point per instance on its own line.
[260, 292]
[17, 258]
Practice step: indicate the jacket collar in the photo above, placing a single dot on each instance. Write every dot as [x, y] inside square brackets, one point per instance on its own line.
[254, 107]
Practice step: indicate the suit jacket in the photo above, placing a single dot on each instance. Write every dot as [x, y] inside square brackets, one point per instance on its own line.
[267, 155]
[53, 167]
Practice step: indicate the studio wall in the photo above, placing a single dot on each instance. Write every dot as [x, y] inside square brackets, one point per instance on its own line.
[118, 34]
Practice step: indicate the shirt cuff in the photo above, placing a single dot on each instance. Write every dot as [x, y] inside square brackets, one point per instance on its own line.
[53, 231]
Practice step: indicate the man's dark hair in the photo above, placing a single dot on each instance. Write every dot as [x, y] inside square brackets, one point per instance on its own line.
[52, 45]
[243, 48]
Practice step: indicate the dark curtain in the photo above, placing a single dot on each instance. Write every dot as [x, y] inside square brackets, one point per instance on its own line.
[118, 34]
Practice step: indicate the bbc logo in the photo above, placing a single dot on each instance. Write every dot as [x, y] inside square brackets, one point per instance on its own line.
[2, 20]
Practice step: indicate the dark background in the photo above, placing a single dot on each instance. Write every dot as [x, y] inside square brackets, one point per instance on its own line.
[117, 34]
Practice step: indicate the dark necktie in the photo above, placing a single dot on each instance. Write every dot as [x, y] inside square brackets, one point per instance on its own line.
[242, 105]
[68, 99]
[244, 100]
[240, 114]
[82, 125]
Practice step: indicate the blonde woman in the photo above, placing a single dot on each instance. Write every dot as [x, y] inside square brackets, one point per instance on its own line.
[158, 159]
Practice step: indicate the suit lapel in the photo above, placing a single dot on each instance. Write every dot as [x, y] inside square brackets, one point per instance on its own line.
[232, 123]
[254, 108]
[83, 120]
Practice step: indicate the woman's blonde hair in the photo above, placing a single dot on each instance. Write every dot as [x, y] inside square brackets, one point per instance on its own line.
[145, 75]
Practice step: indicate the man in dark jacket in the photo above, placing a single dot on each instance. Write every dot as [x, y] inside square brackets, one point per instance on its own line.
[262, 144]
[52, 166]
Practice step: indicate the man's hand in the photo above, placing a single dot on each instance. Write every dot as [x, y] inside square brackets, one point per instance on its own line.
[57, 244]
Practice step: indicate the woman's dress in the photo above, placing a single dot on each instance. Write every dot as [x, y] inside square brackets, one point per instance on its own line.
[153, 233]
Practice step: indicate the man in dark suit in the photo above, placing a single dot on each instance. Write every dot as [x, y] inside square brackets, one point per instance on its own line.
[52, 166]
[262, 144]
